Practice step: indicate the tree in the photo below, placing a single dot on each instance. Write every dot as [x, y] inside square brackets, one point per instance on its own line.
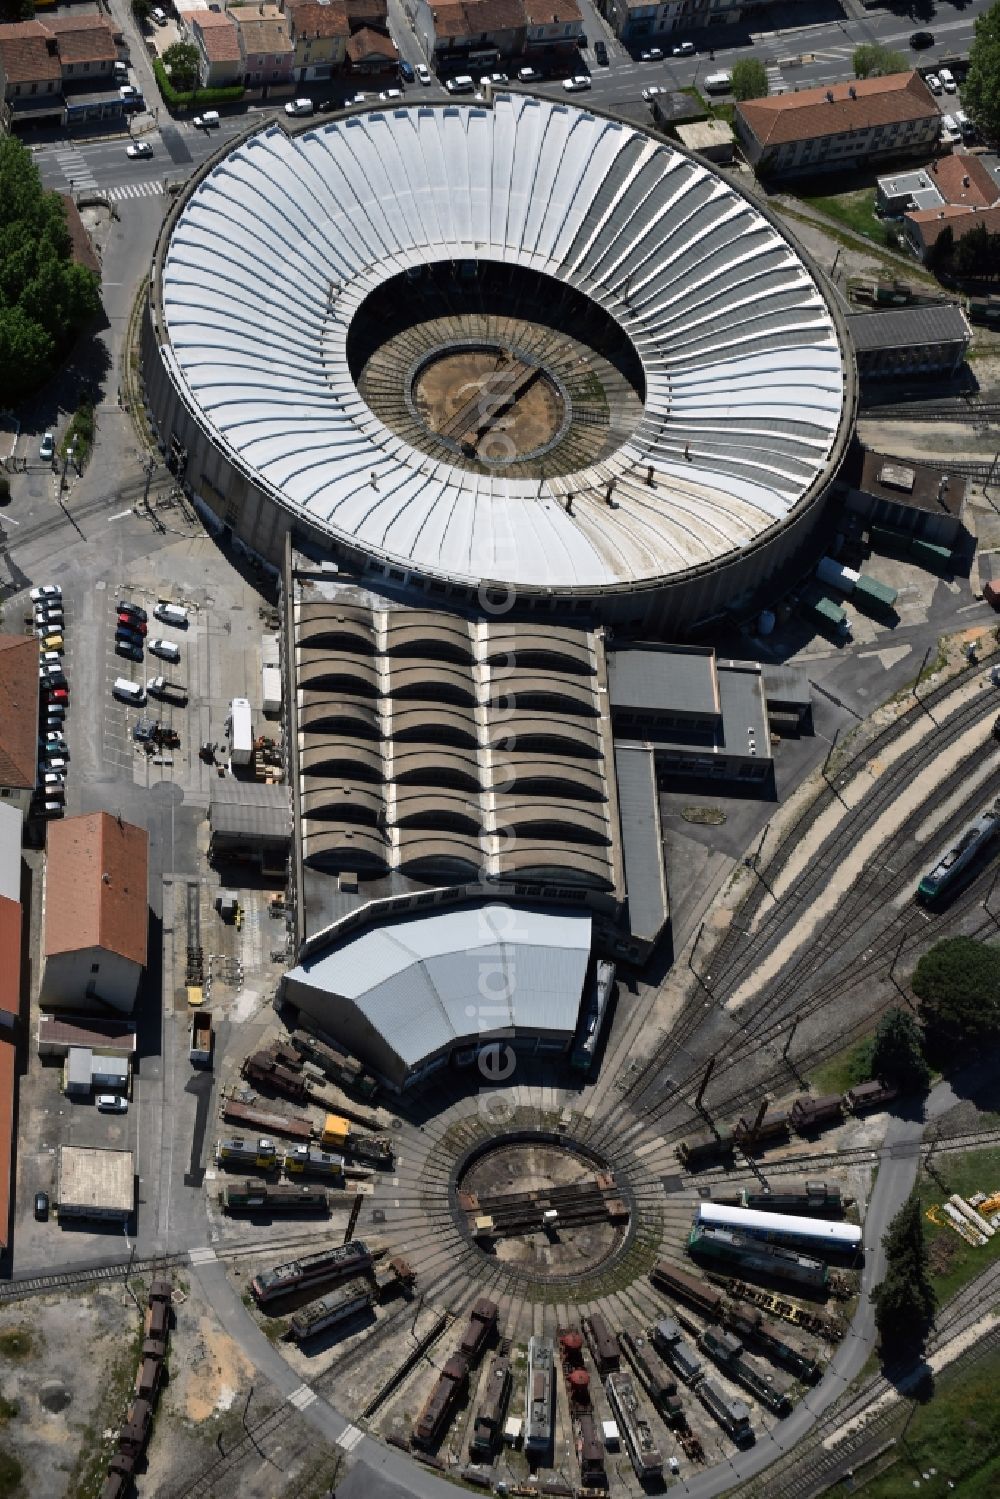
[905, 1298]
[981, 94]
[181, 62]
[897, 1054]
[958, 985]
[872, 61]
[749, 79]
[942, 251]
[45, 298]
[141, 10]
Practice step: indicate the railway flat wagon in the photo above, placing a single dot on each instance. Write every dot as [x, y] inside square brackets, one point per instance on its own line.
[269, 1121]
[781, 1228]
[340, 1306]
[690, 1288]
[647, 1460]
[540, 1407]
[449, 1387]
[603, 1344]
[756, 1256]
[339, 1262]
[259, 1197]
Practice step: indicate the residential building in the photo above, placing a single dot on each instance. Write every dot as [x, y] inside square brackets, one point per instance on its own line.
[637, 20]
[552, 26]
[960, 180]
[215, 35]
[370, 52]
[968, 195]
[471, 33]
[18, 719]
[59, 69]
[319, 31]
[712, 139]
[894, 342]
[367, 15]
[835, 127]
[96, 913]
[30, 75]
[266, 45]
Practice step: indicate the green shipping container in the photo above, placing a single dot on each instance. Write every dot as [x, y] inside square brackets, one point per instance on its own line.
[931, 554]
[871, 594]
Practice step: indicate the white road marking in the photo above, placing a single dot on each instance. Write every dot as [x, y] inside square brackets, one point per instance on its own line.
[202, 1256]
[349, 1438]
[303, 1397]
[121, 514]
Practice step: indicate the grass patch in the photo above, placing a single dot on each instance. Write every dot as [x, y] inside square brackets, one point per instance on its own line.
[845, 1069]
[11, 1474]
[15, 1342]
[956, 1433]
[953, 1262]
[80, 434]
[856, 210]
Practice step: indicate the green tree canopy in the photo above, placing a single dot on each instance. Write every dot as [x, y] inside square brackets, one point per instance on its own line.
[957, 983]
[872, 61]
[905, 1298]
[897, 1053]
[45, 298]
[141, 9]
[181, 62]
[942, 251]
[749, 79]
[981, 93]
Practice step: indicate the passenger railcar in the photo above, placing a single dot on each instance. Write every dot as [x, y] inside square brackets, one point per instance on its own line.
[782, 1228]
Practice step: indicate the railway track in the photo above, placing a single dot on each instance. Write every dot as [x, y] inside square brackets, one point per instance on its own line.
[955, 409]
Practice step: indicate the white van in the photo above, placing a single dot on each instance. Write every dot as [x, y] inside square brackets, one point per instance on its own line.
[718, 83]
[463, 84]
[171, 614]
[207, 121]
[129, 692]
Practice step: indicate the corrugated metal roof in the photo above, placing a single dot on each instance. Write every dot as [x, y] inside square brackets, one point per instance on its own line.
[642, 842]
[903, 327]
[663, 679]
[250, 809]
[430, 982]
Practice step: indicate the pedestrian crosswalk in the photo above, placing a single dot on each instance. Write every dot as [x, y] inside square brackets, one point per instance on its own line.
[73, 165]
[775, 82]
[132, 190]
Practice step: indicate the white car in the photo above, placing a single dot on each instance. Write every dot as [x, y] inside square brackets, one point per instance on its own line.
[528, 75]
[51, 778]
[51, 658]
[138, 150]
[159, 15]
[210, 120]
[128, 91]
[947, 78]
[423, 72]
[389, 94]
[654, 54]
[46, 450]
[360, 99]
[576, 83]
[652, 91]
[165, 648]
[300, 107]
[112, 1103]
[55, 762]
[950, 133]
[49, 809]
[683, 49]
[47, 590]
[933, 82]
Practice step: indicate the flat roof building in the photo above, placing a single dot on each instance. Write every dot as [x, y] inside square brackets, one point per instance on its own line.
[900, 341]
[95, 1183]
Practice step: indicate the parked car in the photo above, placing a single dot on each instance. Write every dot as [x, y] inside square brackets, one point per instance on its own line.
[652, 91]
[950, 132]
[933, 82]
[423, 73]
[47, 590]
[51, 658]
[46, 449]
[138, 150]
[56, 762]
[52, 778]
[168, 649]
[130, 649]
[683, 49]
[50, 642]
[124, 607]
[53, 676]
[112, 1103]
[921, 39]
[49, 808]
[128, 91]
[601, 53]
[652, 54]
[947, 78]
[210, 120]
[41, 1206]
[53, 744]
[388, 95]
[59, 695]
[406, 70]
[300, 107]
[967, 126]
[48, 618]
[159, 15]
[171, 614]
[577, 83]
[127, 621]
[528, 75]
[54, 714]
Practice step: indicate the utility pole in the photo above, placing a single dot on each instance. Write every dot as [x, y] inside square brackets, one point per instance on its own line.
[787, 1048]
[824, 769]
[694, 949]
[704, 1084]
[352, 1222]
[916, 684]
[892, 973]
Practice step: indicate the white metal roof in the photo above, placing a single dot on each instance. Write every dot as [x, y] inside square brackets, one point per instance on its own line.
[783, 1225]
[284, 239]
[424, 983]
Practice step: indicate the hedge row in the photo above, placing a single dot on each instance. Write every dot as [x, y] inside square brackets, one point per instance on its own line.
[203, 98]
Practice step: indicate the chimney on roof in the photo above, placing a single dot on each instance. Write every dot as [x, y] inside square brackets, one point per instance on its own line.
[106, 878]
[966, 181]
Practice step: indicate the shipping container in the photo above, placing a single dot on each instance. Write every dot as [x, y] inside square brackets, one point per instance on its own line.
[240, 728]
[874, 597]
[836, 575]
[200, 1039]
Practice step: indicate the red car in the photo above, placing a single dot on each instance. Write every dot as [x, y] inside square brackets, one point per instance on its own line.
[131, 623]
[59, 694]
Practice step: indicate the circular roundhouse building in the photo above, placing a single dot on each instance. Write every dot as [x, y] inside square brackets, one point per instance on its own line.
[514, 342]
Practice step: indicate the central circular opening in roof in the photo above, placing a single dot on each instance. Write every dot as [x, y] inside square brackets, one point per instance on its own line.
[542, 1206]
[496, 369]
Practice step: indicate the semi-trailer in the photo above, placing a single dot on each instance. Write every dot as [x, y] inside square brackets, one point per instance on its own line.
[240, 727]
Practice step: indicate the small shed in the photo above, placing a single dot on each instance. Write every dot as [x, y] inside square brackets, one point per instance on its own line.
[79, 1069]
[711, 139]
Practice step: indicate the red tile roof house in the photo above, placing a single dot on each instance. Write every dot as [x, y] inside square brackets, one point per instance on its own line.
[96, 913]
[833, 128]
[971, 197]
[220, 58]
[266, 44]
[555, 24]
[471, 33]
[30, 74]
[18, 719]
[10, 1005]
[371, 52]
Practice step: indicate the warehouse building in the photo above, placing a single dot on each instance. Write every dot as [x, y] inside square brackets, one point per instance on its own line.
[920, 499]
[96, 913]
[896, 342]
[250, 821]
[97, 1184]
